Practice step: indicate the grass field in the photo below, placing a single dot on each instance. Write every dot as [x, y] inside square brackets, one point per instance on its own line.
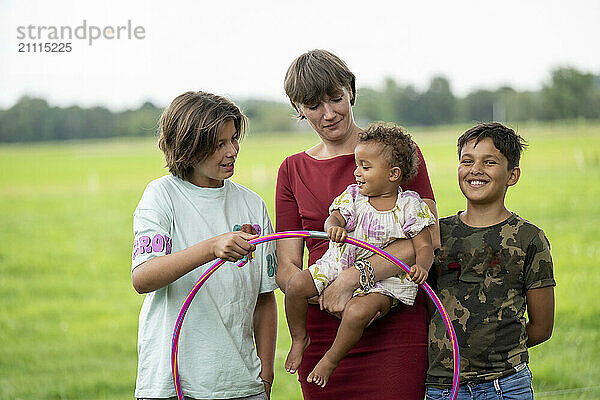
[68, 323]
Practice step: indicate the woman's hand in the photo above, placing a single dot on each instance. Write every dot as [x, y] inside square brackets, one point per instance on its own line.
[339, 292]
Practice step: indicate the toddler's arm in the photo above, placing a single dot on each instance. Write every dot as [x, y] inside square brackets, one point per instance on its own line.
[161, 271]
[424, 256]
[334, 226]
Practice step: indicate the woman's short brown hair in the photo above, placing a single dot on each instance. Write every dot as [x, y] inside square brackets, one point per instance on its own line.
[315, 74]
[189, 128]
[398, 147]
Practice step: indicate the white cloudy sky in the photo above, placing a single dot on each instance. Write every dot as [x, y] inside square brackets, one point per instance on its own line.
[242, 48]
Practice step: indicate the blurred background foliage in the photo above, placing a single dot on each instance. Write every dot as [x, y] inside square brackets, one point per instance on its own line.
[569, 94]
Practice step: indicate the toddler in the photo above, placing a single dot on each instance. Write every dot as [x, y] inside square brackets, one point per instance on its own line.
[377, 211]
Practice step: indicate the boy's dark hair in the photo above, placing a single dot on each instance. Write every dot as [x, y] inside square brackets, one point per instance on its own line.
[506, 140]
[189, 128]
[315, 74]
[399, 148]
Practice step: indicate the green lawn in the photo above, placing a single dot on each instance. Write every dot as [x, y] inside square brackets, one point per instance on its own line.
[68, 323]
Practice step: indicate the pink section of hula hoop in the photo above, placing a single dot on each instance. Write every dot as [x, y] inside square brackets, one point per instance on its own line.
[322, 235]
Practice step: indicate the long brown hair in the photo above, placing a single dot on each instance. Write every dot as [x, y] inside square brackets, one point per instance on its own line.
[189, 128]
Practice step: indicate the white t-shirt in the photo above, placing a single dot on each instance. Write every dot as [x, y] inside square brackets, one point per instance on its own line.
[217, 356]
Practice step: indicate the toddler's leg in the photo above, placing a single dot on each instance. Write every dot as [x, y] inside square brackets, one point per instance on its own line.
[299, 289]
[359, 311]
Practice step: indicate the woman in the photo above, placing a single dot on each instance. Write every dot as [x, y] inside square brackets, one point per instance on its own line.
[390, 360]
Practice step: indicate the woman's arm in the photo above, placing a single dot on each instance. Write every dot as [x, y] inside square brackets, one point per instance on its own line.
[339, 292]
[540, 313]
[158, 272]
[434, 230]
[265, 333]
[290, 253]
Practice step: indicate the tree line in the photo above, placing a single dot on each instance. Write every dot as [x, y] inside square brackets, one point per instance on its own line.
[569, 94]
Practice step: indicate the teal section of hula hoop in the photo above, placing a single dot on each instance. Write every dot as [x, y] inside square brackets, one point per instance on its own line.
[314, 235]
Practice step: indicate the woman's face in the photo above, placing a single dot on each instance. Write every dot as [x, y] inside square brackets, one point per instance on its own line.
[332, 117]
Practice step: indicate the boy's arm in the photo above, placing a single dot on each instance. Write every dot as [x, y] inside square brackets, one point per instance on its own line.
[540, 312]
[265, 333]
[161, 271]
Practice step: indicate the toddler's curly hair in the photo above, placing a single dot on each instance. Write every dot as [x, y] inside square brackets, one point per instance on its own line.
[398, 147]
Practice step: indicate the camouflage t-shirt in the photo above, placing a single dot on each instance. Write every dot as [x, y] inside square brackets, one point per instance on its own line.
[481, 275]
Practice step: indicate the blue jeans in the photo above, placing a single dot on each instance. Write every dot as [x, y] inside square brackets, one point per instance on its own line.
[513, 387]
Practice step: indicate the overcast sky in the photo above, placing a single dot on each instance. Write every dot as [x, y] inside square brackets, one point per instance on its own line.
[243, 48]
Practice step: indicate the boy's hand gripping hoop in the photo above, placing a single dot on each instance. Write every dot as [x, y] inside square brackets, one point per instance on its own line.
[314, 235]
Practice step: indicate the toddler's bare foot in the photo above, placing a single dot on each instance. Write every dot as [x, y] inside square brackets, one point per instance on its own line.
[294, 357]
[321, 373]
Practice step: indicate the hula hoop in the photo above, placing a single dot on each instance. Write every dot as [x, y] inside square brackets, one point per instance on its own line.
[314, 235]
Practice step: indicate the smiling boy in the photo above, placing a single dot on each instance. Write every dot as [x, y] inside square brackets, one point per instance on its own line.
[492, 266]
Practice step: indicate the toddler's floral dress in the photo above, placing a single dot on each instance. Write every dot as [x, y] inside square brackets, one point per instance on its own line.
[379, 228]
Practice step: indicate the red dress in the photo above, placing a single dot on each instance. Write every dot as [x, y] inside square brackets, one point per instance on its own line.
[390, 360]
